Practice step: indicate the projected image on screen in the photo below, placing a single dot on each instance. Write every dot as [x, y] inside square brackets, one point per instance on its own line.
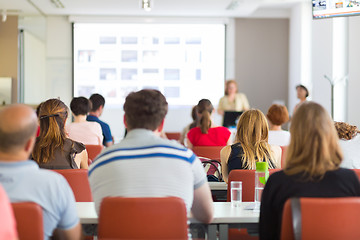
[335, 8]
[184, 61]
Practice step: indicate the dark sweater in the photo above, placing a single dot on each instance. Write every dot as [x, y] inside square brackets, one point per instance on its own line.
[280, 187]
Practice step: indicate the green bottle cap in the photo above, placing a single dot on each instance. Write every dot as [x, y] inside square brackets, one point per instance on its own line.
[262, 166]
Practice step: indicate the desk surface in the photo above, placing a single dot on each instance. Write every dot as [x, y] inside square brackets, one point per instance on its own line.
[224, 213]
[215, 186]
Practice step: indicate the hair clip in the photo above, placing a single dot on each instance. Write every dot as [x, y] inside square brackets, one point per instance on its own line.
[47, 116]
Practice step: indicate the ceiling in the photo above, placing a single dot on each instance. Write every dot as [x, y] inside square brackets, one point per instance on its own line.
[198, 8]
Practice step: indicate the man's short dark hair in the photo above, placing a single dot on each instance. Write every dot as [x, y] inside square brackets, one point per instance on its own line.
[80, 106]
[97, 101]
[145, 109]
[303, 87]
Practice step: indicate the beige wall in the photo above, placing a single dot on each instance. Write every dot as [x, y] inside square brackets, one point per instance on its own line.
[261, 60]
[9, 52]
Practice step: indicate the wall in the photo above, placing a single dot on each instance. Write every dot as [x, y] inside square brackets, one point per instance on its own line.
[9, 52]
[262, 49]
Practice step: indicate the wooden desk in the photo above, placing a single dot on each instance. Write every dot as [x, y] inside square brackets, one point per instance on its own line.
[225, 216]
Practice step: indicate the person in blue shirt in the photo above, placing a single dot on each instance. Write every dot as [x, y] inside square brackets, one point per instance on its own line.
[24, 181]
[98, 103]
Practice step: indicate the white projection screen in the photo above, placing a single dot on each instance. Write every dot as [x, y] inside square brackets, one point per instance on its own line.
[184, 61]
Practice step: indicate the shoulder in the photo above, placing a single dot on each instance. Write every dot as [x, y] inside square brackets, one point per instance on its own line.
[222, 129]
[78, 146]
[241, 95]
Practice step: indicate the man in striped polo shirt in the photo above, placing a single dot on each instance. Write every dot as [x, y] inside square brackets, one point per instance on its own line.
[145, 165]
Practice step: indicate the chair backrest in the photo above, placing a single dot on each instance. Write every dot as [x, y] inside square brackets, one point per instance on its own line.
[142, 218]
[247, 177]
[173, 135]
[283, 155]
[212, 152]
[29, 220]
[324, 218]
[357, 171]
[93, 151]
[79, 183]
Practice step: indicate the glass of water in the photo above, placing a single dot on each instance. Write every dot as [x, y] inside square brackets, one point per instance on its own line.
[236, 193]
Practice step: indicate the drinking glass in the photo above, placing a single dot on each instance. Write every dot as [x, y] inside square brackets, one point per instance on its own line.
[236, 193]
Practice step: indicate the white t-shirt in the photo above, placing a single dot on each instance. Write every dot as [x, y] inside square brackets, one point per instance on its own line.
[279, 138]
[88, 133]
[351, 151]
[145, 165]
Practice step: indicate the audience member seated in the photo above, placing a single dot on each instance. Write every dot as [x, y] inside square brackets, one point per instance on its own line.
[25, 182]
[98, 103]
[277, 116]
[53, 150]
[88, 133]
[208, 134]
[7, 219]
[312, 168]
[145, 165]
[250, 146]
[233, 101]
[350, 143]
[195, 123]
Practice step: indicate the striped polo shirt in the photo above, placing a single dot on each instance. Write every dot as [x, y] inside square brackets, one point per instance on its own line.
[145, 165]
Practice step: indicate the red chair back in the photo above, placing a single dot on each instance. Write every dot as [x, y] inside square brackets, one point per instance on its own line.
[283, 155]
[142, 218]
[247, 177]
[357, 171]
[324, 218]
[29, 220]
[173, 135]
[212, 152]
[79, 183]
[93, 151]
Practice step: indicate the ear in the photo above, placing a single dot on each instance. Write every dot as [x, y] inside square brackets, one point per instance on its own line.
[125, 121]
[161, 126]
[29, 145]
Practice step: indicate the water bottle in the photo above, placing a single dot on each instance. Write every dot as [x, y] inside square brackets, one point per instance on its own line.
[261, 176]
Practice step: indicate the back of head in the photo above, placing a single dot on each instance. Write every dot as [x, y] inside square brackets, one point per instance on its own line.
[80, 106]
[252, 133]
[194, 116]
[18, 123]
[145, 109]
[205, 108]
[346, 131]
[278, 114]
[97, 101]
[314, 147]
[53, 114]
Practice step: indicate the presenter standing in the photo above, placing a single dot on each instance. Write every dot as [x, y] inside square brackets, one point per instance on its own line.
[232, 101]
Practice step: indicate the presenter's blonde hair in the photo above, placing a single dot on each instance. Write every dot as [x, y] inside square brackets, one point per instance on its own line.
[314, 146]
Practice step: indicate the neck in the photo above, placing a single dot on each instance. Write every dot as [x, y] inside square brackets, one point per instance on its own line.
[275, 128]
[80, 118]
[96, 114]
[14, 157]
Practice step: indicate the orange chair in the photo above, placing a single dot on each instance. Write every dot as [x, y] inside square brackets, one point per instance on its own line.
[357, 171]
[212, 152]
[142, 218]
[29, 220]
[173, 135]
[247, 177]
[93, 151]
[322, 218]
[283, 155]
[79, 183]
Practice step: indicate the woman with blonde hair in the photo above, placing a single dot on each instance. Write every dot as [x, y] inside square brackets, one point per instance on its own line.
[53, 149]
[312, 168]
[207, 134]
[251, 145]
[233, 100]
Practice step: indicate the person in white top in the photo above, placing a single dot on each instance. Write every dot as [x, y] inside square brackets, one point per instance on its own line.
[277, 116]
[350, 142]
[88, 133]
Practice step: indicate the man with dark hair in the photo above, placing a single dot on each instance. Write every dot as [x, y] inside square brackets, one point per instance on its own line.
[145, 165]
[98, 103]
[25, 182]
